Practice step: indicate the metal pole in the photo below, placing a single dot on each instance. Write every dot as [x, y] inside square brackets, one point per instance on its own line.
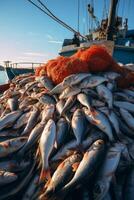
[111, 20]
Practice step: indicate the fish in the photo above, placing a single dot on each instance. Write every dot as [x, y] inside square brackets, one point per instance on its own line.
[127, 117]
[63, 174]
[68, 104]
[46, 145]
[99, 120]
[57, 89]
[92, 81]
[48, 113]
[47, 99]
[97, 103]
[107, 171]
[13, 103]
[9, 119]
[7, 177]
[46, 82]
[60, 105]
[75, 79]
[84, 99]
[111, 76]
[105, 94]
[129, 92]
[87, 167]
[14, 165]
[32, 139]
[12, 145]
[112, 118]
[18, 187]
[128, 193]
[79, 125]
[69, 91]
[62, 129]
[32, 121]
[124, 104]
[22, 120]
[25, 80]
[31, 188]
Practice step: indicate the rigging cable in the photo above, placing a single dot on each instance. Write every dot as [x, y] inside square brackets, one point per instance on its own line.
[51, 15]
[78, 15]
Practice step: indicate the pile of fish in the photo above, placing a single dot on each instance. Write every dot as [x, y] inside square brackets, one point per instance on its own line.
[69, 141]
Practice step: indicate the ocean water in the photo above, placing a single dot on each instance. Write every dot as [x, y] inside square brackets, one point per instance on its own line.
[3, 77]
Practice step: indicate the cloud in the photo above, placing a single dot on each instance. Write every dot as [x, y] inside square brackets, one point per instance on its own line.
[30, 33]
[55, 41]
[35, 54]
[50, 37]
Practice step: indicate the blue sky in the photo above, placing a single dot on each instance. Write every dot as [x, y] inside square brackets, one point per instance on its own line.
[26, 34]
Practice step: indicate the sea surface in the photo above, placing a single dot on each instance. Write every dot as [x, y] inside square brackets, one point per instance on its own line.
[3, 77]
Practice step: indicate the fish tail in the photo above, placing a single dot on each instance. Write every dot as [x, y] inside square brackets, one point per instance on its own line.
[45, 174]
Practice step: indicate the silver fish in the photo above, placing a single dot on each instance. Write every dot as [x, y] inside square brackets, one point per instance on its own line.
[46, 82]
[57, 89]
[9, 146]
[66, 149]
[88, 165]
[13, 103]
[107, 171]
[69, 91]
[105, 94]
[31, 188]
[22, 120]
[7, 177]
[97, 103]
[60, 105]
[18, 187]
[33, 119]
[26, 80]
[13, 165]
[129, 92]
[46, 146]
[79, 125]
[75, 79]
[92, 81]
[63, 173]
[68, 105]
[124, 104]
[9, 119]
[48, 113]
[127, 117]
[100, 120]
[84, 99]
[111, 75]
[61, 131]
[112, 118]
[32, 139]
[47, 99]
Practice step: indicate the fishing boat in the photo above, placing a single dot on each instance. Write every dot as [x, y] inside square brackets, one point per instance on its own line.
[111, 32]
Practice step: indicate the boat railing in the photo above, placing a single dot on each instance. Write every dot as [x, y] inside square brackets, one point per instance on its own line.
[30, 65]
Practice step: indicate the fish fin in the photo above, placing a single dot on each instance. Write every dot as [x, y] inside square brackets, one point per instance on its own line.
[85, 155]
[61, 165]
[45, 174]
[95, 121]
[47, 183]
[75, 166]
[94, 112]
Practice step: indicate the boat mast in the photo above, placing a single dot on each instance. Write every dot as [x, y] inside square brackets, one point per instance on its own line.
[111, 20]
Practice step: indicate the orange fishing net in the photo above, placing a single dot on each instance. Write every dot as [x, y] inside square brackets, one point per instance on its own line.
[94, 59]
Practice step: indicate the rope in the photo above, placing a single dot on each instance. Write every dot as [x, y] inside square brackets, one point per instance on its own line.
[51, 15]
